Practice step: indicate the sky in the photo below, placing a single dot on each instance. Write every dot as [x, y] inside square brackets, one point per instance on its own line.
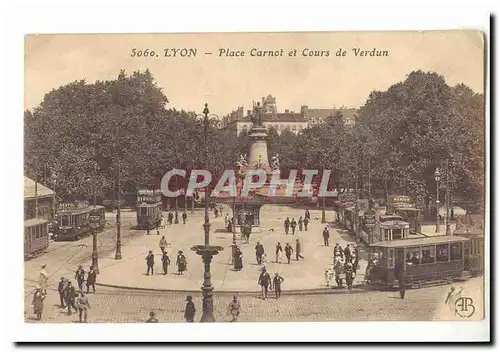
[228, 82]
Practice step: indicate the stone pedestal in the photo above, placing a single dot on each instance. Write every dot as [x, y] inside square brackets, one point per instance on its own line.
[247, 212]
[258, 159]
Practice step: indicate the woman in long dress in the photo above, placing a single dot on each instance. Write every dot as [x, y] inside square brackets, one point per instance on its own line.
[38, 298]
[181, 263]
[238, 260]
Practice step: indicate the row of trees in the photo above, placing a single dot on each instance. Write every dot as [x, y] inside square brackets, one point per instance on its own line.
[81, 133]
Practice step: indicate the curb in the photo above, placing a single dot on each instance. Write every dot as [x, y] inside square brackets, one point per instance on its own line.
[318, 291]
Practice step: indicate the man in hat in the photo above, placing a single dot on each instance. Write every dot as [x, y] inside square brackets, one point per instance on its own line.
[80, 277]
[70, 296]
[347, 253]
[91, 279]
[165, 260]
[298, 250]
[83, 305]
[163, 244]
[184, 217]
[306, 222]
[234, 309]
[288, 252]
[60, 288]
[259, 252]
[190, 311]
[326, 236]
[152, 318]
[276, 286]
[44, 277]
[150, 262]
[349, 277]
[264, 282]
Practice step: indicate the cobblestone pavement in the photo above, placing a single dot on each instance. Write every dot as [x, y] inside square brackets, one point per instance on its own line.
[127, 306]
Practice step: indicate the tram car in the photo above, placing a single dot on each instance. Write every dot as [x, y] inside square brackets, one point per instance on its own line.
[36, 237]
[427, 261]
[149, 209]
[470, 227]
[77, 219]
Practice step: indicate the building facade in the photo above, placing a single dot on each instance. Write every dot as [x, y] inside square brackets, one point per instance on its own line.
[239, 122]
[44, 201]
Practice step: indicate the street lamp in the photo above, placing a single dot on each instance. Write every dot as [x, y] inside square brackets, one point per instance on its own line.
[437, 177]
[206, 251]
[447, 200]
[95, 254]
[176, 219]
[118, 254]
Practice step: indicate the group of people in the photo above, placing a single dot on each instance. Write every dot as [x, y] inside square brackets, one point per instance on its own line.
[345, 262]
[302, 222]
[266, 283]
[181, 260]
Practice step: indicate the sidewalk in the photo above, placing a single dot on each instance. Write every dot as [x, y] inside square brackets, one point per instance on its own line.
[308, 274]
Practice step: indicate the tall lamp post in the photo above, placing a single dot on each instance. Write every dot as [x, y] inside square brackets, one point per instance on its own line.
[176, 219]
[95, 254]
[437, 177]
[207, 251]
[447, 200]
[118, 254]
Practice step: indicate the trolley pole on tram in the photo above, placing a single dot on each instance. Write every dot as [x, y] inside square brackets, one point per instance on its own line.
[118, 254]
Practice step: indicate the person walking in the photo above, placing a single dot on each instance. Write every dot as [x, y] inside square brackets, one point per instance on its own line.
[83, 305]
[60, 290]
[279, 251]
[288, 252]
[337, 252]
[287, 225]
[355, 262]
[238, 259]
[91, 279]
[293, 225]
[163, 244]
[400, 275]
[276, 286]
[152, 318]
[190, 310]
[80, 277]
[165, 261]
[70, 297]
[150, 262]
[226, 220]
[184, 217]
[234, 309]
[301, 222]
[170, 217]
[326, 236]
[181, 263]
[43, 279]
[158, 230]
[298, 250]
[306, 222]
[339, 269]
[147, 231]
[349, 277]
[347, 254]
[38, 297]
[264, 282]
[259, 252]
[307, 215]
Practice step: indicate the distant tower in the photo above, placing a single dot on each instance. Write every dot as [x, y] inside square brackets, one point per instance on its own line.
[269, 106]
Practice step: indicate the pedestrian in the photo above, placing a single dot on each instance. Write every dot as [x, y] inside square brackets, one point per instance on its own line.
[158, 230]
[400, 275]
[297, 250]
[326, 236]
[238, 259]
[60, 289]
[91, 280]
[337, 252]
[234, 309]
[339, 269]
[42, 281]
[147, 230]
[355, 263]
[286, 225]
[306, 222]
[328, 276]
[279, 251]
[301, 222]
[264, 282]
[83, 305]
[288, 252]
[184, 217]
[247, 229]
[276, 286]
[307, 215]
[259, 252]
[293, 225]
[347, 254]
[152, 318]
[162, 222]
[70, 297]
[349, 278]
[216, 212]
[190, 311]
[150, 262]
[38, 297]
[226, 220]
[165, 261]
[170, 217]
[163, 244]
[181, 263]
[80, 277]
[220, 210]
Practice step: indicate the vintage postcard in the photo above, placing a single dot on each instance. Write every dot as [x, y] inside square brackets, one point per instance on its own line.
[255, 177]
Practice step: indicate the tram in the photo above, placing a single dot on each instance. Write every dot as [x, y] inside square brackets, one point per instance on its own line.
[36, 237]
[474, 249]
[149, 209]
[427, 261]
[77, 219]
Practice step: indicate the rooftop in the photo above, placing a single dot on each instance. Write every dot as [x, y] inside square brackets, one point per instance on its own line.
[41, 190]
[414, 242]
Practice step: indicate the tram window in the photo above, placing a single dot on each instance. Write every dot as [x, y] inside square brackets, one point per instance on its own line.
[442, 253]
[428, 255]
[144, 211]
[397, 234]
[378, 258]
[413, 256]
[386, 235]
[390, 258]
[456, 251]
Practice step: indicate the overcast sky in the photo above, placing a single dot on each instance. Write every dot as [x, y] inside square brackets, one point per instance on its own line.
[224, 83]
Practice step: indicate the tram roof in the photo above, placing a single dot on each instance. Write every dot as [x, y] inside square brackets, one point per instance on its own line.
[145, 205]
[33, 222]
[425, 241]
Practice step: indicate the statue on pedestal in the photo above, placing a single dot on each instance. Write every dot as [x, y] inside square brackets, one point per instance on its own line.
[275, 162]
[257, 117]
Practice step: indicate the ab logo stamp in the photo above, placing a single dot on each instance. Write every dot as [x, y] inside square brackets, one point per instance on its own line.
[464, 307]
